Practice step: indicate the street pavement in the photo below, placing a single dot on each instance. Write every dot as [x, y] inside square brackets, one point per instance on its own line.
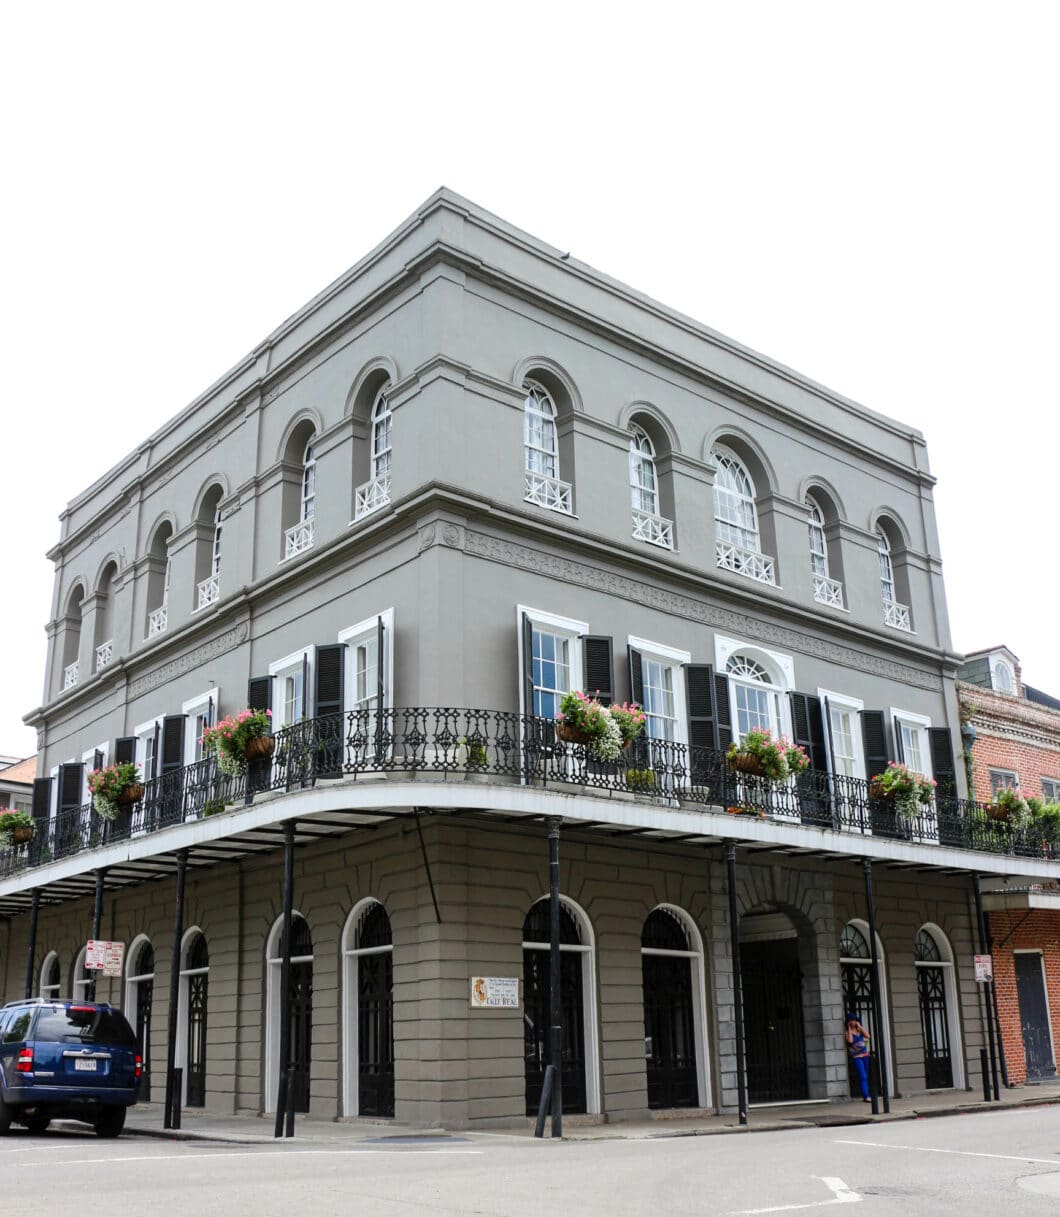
[976, 1164]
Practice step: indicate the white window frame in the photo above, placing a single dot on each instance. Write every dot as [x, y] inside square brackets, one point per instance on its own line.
[45, 965]
[87, 761]
[816, 528]
[590, 1018]
[828, 699]
[297, 661]
[1001, 673]
[573, 629]
[351, 1045]
[883, 550]
[351, 636]
[949, 981]
[920, 723]
[676, 660]
[641, 457]
[142, 733]
[542, 456]
[193, 709]
[273, 994]
[737, 533]
[307, 496]
[780, 663]
[1055, 784]
[381, 460]
[993, 771]
[81, 978]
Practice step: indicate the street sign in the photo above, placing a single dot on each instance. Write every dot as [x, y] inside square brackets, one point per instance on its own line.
[105, 957]
[984, 969]
[495, 992]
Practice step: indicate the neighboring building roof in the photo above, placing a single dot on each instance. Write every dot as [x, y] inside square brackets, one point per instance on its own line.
[1043, 699]
[21, 772]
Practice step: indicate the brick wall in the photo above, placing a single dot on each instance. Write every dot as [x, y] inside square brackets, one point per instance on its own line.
[1032, 930]
[1012, 734]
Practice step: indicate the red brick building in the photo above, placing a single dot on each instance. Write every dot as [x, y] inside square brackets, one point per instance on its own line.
[1011, 734]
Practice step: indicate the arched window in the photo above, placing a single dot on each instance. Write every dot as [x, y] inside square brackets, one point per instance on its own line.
[937, 995]
[818, 546]
[644, 484]
[577, 988]
[1004, 680]
[382, 423]
[368, 1011]
[895, 613]
[735, 514]
[192, 1010]
[755, 695]
[51, 984]
[855, 966]
[208, 549]
[159, 570]
[71, 669]
[139, 999]
[104, 640]
[309, 483]
[883, 548]
[301, 996]
[541, 450]
[81, 980]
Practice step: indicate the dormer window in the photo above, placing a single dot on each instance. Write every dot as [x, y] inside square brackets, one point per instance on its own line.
[1004, 679]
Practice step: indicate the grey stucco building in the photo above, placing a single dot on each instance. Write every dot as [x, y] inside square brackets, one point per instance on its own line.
[468, 476]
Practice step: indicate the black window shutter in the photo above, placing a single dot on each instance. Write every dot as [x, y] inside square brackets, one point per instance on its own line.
[42, 799]
[329, 669]
[941, 742]
[597, 651]
[71, 780]
[304, 708]
[125, 750]
[702, 725]
[259, 693]
[380, 665]
[528, 665]
[874, 736]
[172, 743]
[722, 711]
[808, 728]
[899, 751]
[636, 677]
[97, 759]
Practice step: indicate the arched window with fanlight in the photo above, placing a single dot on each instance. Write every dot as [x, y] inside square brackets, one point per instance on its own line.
[738, 539]
[826, 589]
[895, 613]
[375, 493]
[541, 450]
[368, 1011]
[937, 995]
[648, 522]
[756, 697]
[856, 976]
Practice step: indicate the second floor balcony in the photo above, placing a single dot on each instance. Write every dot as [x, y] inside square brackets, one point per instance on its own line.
[747, 562]
[502, 749]
[547, 492]
[208, 591]
[298, 539]
[371, 496]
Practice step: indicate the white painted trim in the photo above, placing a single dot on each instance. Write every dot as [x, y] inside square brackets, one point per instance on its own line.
[590, 1014]
[191, 709]
[562, 625]
[725, 648]
[79, 978]
[699, 997]
[829, 698]
[86, 768]
[132, 983]
[675, 659]
[273, 965]
[885, 1015]
[953, 1021]
[295, 662]
[354, 634]
[180, 1060]
[45, 963]
[350, 1045]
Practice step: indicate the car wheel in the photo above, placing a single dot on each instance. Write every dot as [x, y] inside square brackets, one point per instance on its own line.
[110, 1122]
[38, 1126]
[6, 1116]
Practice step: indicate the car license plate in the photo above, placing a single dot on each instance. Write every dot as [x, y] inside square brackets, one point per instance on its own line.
[86, 1066]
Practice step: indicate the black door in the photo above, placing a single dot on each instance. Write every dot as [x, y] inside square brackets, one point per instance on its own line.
[669, 1032]
[857, 999]
[536, 998]
[1034, 1016]
[197, 995]
[938, 1067]
[145, 992]
[772, 1005]
[375, 1034]
[301, 1031]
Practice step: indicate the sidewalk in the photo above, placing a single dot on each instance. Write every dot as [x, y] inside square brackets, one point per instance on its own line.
[146, 1120]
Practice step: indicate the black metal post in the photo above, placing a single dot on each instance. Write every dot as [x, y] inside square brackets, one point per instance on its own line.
[555, 1002]
[737, 982]
[284, 1097]
[991, 997]
[545, 1103]
[174, 1100]
[97, 922]
[31, 950]
[984, 1069]
[877, 1006]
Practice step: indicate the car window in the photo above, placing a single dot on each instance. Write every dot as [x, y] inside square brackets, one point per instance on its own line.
[84, 1025]
[17, 1028]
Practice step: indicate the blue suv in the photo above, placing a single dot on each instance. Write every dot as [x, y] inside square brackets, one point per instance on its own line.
[63, 1059]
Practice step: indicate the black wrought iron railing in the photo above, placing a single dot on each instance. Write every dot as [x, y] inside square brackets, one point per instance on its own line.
[453, 744]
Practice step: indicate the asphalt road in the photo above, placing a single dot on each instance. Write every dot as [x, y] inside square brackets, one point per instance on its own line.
[973, 1165]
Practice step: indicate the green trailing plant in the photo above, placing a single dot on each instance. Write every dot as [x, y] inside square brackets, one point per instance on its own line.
[1009, 807]
[908, 789]
[640, 781]
[213, 807]
[761, 754]
[477, 754]
[228, 740]
[606, 730]
[109, 786]
[12, 819]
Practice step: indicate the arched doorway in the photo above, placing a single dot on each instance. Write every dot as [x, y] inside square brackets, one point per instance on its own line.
[672, 971]
[301, 1043]
[936, 991]
[368, 993]
[855, 963]
[139, 997]
[51, 984]
[774, 1027]
[193, 1005]
[578, 1072]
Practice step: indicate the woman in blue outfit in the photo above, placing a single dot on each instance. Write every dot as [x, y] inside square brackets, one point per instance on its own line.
[857, 1039]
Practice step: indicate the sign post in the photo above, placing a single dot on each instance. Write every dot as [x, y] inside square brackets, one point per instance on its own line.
[105, 957]
[984, 969]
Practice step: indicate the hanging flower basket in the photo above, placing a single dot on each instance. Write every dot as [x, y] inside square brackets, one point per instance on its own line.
[572, 735]
[16, 827]
[747, 762]
[21, 836]
[259, 747]
[877, 790]
[129, 795]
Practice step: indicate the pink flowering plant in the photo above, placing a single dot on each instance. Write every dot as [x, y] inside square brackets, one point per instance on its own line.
[909, 790]
[107, 785]
[10, 819]
[228, 739]
[609, 728]
[777, 757]
[1010, 807]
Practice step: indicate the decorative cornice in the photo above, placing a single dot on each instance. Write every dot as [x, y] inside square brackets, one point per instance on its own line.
[190, 660]
[581, 574]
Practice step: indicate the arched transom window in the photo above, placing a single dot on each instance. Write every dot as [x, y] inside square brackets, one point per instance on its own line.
[883, 548]
[643, 482]
[539, 415]
[309, 482]
[756, 697]
[818, 547]
[382, 421]
[735, 514]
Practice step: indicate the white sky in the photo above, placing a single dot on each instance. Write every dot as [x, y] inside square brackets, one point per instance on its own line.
[866, 193]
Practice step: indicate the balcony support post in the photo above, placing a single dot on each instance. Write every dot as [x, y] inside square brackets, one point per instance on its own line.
[31, 949]
[993, 1036]
[284, 1097]
[554, 980]
[737, 981]
[880, 1047]
[97, 922]
[174, 1102]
